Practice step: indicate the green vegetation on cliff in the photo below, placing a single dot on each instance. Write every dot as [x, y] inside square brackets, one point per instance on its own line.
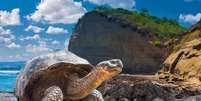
[161, 27]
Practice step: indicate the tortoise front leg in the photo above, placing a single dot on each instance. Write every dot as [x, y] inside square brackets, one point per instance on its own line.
[53, 93]
[94, 96]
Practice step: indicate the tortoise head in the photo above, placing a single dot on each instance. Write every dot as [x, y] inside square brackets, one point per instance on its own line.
[110, 67]
[103, 71]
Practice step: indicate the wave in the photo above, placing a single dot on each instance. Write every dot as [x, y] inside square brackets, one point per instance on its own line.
[9, 71]
[10, 68]
[11, 65]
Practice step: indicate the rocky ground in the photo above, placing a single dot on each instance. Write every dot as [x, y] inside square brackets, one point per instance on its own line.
[7, 96]
[142, 88]
[150, 88]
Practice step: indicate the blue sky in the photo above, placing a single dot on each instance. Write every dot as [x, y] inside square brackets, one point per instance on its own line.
[29, 28]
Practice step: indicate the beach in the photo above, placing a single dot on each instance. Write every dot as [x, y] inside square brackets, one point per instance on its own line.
[7, 96]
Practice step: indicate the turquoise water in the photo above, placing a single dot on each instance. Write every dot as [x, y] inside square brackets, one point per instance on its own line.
[8, 74]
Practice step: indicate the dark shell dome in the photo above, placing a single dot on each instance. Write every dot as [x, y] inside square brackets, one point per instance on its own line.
[50, 66]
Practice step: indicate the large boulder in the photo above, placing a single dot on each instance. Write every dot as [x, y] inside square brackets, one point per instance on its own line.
[186, 62]
[99, 37]
[148, 88]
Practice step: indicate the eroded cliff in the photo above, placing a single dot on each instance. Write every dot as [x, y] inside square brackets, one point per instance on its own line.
[99, 36]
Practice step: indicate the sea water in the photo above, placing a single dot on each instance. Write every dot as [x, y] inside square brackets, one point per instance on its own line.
[8, 74]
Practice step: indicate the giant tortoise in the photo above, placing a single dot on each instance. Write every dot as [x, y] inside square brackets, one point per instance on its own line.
[63, 76]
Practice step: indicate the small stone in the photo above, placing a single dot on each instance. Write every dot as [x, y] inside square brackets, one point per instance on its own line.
[158, 99]
[123, 99]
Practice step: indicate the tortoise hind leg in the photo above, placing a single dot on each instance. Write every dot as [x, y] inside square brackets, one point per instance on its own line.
[94, 96]
[53, 93]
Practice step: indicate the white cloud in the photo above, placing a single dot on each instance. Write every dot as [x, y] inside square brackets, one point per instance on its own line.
[13, 57]
[126, 4]
[189, 18]
[34, 37]
[58, 11]
[7, 38]
[13, 45]
[56, 30]
[41, 48]
[55, 42]
[34, 29]
[10, 18]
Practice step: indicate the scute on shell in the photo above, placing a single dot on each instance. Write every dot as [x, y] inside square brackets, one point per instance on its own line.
[47, 67]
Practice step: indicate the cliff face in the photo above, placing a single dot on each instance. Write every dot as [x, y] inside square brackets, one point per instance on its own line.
[185, 63]
[98, 37]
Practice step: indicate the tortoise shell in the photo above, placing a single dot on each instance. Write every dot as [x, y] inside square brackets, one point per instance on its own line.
[48, 70]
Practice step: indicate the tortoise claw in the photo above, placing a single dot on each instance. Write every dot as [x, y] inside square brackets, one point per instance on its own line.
[94, 96]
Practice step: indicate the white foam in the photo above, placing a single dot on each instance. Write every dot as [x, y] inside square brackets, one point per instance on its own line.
[9, 71]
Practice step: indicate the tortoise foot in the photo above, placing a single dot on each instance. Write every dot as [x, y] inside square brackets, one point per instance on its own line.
[53, 93]
[94, 96]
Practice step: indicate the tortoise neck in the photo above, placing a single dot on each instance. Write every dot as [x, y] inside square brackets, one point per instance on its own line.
[80, 88]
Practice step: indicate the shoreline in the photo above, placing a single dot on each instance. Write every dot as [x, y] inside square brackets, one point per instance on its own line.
[7, 96]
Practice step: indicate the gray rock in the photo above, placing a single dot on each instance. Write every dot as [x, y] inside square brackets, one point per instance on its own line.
[123, 99]
[158, 99]
[96, 38]
[7, 97]
[192, 98]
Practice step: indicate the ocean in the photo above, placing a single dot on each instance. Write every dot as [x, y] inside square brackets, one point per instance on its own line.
[8, 74]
